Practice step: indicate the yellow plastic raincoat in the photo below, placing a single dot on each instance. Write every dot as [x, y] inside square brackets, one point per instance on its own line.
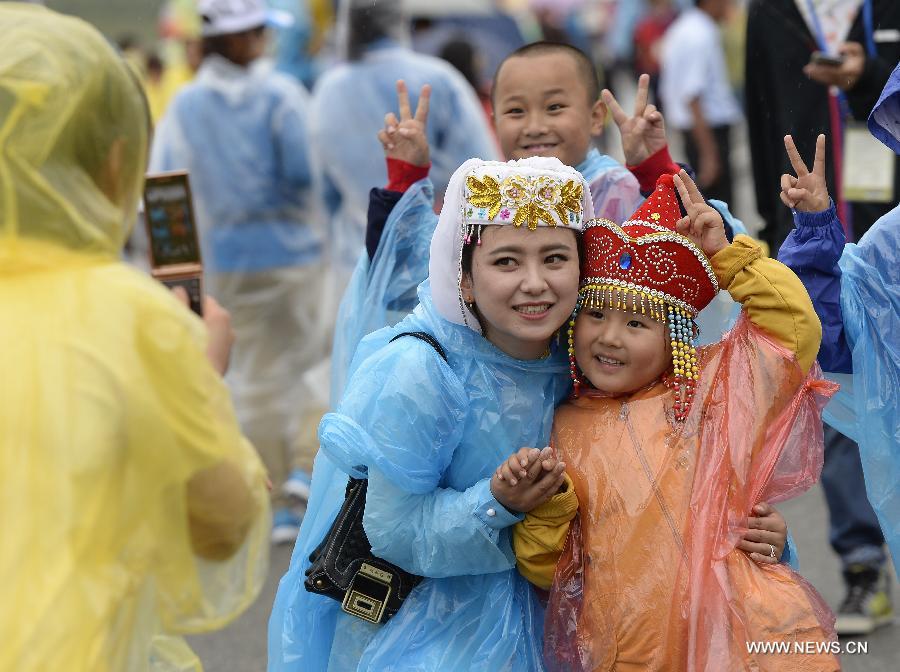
[131, 508]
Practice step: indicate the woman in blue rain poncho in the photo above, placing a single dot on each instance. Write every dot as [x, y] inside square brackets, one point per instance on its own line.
[133, 509]
[856, 291]
[429, 435]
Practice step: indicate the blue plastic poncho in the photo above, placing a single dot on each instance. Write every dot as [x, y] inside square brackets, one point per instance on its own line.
[615, 192]
[382, 291]
[291, 41]
[439, 433]
[884, 121]
[867, 407]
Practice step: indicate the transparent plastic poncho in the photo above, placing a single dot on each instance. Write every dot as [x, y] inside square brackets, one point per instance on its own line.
[108, 405]
[382, 291]
[867, 407]
[651, 573]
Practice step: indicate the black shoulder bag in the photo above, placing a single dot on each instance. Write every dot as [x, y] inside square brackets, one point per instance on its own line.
[343, 567]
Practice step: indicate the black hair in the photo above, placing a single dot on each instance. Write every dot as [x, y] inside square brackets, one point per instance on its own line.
[220, 45]
[460, 53]
[586, 69]
[368, 23]
[154, 63]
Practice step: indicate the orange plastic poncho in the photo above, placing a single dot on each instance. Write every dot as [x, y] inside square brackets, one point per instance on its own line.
[121, 461]
[650, 578]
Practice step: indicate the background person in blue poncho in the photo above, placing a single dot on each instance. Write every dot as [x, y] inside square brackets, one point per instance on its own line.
[240, 129]
[347, 110]
[856, 291]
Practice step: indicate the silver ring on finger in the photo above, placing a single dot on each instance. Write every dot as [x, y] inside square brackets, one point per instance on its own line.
[772, 552]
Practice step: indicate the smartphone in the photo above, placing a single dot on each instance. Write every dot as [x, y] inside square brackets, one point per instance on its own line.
[172, 230]
[821, 58]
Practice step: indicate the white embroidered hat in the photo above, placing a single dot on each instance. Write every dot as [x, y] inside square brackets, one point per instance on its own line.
[527, 193]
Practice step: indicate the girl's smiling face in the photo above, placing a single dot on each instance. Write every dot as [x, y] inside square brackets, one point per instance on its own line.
[524, 285]
[620, 351]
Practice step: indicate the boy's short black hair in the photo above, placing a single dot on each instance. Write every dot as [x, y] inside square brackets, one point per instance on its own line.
[583, 63]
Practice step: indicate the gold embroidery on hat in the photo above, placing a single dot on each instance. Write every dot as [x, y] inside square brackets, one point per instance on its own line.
[534, 199]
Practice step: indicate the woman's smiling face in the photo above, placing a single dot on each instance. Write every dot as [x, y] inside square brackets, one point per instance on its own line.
[620, 351]
[524, 284]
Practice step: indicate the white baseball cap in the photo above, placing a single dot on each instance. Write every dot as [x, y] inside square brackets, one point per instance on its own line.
[225, 17]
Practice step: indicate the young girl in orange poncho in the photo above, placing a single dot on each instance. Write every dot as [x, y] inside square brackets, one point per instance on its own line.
[667, 447]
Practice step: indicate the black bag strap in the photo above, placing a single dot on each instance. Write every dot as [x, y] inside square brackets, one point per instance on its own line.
[424, 336]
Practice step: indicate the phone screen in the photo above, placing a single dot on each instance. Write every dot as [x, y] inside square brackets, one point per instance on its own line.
[172, 230]
[170, 221]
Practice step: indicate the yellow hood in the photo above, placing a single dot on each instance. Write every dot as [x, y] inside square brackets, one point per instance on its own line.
[74, 129]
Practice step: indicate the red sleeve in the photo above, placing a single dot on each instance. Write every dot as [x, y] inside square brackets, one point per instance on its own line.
[402, 175]
[649, 170]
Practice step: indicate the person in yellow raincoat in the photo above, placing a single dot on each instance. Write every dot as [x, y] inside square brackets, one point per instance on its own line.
[131, 508]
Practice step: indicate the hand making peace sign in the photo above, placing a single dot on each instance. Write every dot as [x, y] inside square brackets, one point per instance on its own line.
[643, 134]
[405, 139]
[807, 192]
[703, 224]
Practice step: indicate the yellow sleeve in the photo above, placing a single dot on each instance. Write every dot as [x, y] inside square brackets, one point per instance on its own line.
[221, 510]
[774, 298]
[538, 540]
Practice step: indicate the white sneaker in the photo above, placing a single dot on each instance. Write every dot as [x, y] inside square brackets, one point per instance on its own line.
[298, 485]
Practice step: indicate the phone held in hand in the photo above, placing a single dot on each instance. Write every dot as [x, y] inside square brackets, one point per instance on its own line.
[828, 60]
[172, 230]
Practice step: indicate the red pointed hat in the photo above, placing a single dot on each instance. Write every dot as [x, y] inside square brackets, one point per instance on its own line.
[645, 261]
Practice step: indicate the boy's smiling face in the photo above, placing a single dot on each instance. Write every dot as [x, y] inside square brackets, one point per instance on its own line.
[620, 351]
[542, 107]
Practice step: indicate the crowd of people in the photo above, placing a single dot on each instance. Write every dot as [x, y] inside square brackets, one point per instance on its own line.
[570, 389]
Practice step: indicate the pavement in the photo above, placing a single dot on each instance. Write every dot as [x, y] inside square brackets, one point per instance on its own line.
[242, 646]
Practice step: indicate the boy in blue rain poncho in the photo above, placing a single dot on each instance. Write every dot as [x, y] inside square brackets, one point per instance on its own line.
[503, 278]
[240, 130]
[856, 291]
[546, 99]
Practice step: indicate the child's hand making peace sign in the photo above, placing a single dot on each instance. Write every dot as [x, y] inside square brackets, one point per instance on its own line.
[405, 139]
[703, 223]
[644, 133]
[807, 192]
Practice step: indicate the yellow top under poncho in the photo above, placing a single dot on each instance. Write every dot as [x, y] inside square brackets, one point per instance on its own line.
[131, 508]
